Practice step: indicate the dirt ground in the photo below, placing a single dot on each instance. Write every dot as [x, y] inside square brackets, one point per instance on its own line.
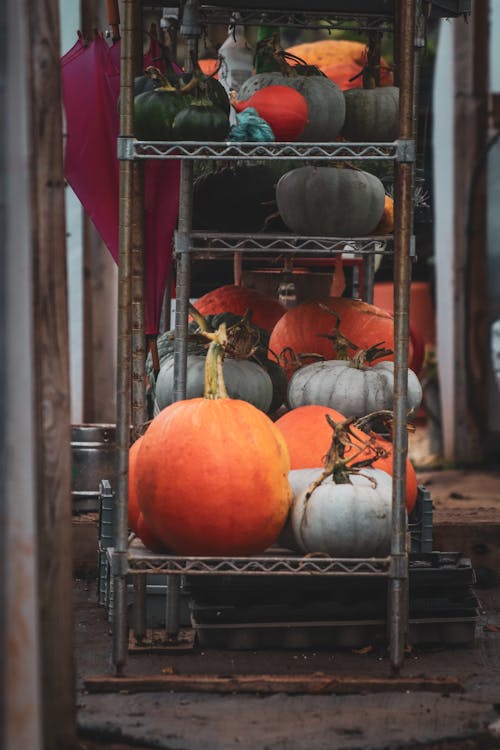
[467, 718]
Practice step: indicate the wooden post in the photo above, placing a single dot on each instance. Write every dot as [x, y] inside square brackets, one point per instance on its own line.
[471, 329]
[51, 402]
[100, 283]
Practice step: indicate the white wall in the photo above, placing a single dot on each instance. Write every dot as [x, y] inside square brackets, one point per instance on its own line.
[70, 23]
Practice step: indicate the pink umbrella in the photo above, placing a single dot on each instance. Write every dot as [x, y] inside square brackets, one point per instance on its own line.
[91, 87]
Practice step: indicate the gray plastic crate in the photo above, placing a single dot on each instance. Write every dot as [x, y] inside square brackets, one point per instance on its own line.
[420, 522]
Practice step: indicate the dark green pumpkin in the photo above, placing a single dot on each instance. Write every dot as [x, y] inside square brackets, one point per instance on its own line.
[235, 198]
[155, 112]
[200, 121]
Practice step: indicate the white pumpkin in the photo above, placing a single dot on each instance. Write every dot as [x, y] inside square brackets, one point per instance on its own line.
[354, 391]
[342, 520]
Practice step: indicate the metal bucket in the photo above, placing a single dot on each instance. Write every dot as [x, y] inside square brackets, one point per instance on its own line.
[93, 451]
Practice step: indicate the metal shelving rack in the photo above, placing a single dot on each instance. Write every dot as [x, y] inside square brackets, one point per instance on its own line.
[126, 561]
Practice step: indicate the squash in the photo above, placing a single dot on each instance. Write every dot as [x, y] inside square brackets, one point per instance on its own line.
[308, 436]
[209, 66]
[213, 472]
[133, 498]
[330, 201]
[200, 121]
[341, 60]
[341, 510]
[311, 327]
[155, 111]
[235, 198]
[350, 386]
[266, 311]
[371, 114]
[203, 84]
[245, 380]
[352, 519]
[283, 108]
[386, 223]
[256, 350]
[148, 537]
[325, 101]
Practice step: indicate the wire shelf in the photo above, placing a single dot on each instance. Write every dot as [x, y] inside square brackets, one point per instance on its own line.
[130, 148]
[205, 242]
[298, 19]
[140, 561]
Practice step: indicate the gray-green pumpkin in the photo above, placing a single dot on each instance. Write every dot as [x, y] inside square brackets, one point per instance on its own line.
[353, 390]
[325, 101]
[244, 380]
[330, 201]
[371, 114]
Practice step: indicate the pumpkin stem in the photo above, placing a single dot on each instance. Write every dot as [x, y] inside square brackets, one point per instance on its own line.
[214, 380]
[243, 338]
[199, 319]
[288, 358]
[371, 71]
[340, 342]
[336, 463]
[157, 75]
[384, 421]
[366, 356]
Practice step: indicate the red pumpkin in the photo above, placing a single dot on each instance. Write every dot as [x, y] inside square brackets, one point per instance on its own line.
[302, 328]
[282, 107]
[266, 311]
[308, 437]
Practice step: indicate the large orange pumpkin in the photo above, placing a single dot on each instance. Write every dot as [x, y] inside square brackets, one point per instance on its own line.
[302, 328]
[341, 60]
[213, 475]
[308, 437]
[266, 311]
[133, 498]
[147, 537]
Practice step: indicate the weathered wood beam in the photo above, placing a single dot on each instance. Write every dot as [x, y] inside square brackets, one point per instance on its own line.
[51, 402]
[315, 684]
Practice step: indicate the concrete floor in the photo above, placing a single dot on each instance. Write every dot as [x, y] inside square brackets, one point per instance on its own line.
[372, 721]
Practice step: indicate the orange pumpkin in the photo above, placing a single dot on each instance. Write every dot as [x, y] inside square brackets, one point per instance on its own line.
[213, 474]
[302, 328]
[386, 223]
[209, 66]
[341, 60]
[147, 537]
[133, 498]
[308, 437]
[266, 311]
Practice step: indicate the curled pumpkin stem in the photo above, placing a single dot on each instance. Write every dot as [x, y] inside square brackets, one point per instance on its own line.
[289, 359]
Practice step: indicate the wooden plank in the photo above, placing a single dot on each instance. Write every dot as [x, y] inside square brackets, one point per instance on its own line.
[51, 401]
[469, 281]
[315, 684]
